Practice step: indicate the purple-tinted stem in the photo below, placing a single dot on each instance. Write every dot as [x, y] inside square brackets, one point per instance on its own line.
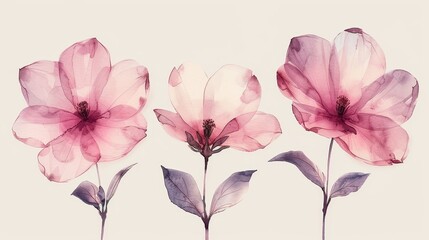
[326, 201]
[206, 218]
[103, 220]
[103, 211]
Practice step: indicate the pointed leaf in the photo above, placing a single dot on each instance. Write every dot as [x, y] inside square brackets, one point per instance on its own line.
[115, 182]
[220, 141]
[231, 191]
[348, 183]
[88, 193]
[101, 194]
[200, 139]
[219, 149]
[304, 164]
[192, 143]
[183, 191]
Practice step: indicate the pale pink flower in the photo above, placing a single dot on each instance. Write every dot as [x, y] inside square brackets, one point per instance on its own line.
[341, 91]
[217, 112]
[81, 110]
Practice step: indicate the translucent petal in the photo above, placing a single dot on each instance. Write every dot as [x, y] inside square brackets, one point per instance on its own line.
[231, 92]
[256, 134]
[84, 70]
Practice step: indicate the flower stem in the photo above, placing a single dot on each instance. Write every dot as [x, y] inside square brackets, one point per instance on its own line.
[103, 211]
[98, 174]
[207, 234]
[206, 218]
[326, 200]
[103, 221]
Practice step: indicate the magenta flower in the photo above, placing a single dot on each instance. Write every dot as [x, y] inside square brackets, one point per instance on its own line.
[81, 110]
[341, 91]
[217, 112]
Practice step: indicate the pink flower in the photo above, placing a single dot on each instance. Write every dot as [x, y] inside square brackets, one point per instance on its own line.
[81, 110]
[342, 92]
[217, 112]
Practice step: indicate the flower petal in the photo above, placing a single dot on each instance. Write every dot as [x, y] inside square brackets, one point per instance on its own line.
[88, 146]
[117, 137]
[319, 121]
[393, 95]
[257, 133]
[40, 85]
[128, 84]
[356, 61]
[186, 89]
[232, 91]
[375, 144]
[62, 160]
[174, 124]
[38, 125]
[84, 70]
[305, 76]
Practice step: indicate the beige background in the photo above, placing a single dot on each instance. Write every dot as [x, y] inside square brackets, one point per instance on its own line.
[281, 203]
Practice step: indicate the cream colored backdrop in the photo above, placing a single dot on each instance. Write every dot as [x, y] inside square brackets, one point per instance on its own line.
[281, 203]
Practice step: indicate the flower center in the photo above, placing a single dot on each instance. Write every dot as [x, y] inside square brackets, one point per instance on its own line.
[342, 104]
[83, 110]
[208, 126]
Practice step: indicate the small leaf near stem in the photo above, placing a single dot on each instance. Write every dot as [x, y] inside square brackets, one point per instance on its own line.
[102, 195]
[304, 164]
[183, 191]
[115, 182]
[348, 183]
[231, 191]
[88, 193]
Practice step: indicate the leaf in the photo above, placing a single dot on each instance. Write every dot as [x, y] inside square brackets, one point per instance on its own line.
[220, 141]
[88, 193]
[183, 191]
[348, 183]
[219, 149]
[101, 195]
[195, 146]
[304, 164]
[231, 191]
[115, 182]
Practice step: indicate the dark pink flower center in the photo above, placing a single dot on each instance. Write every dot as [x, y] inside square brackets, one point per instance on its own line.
[342, 104]
[83, 110]
[208, 126]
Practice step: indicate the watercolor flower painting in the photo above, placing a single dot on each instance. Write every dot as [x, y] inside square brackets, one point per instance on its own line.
[220, 111]
[214, 114]
[314, 129]
[83, 111]
[341, 91]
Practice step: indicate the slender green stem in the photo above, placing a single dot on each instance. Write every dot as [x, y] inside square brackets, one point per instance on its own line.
[326, 199]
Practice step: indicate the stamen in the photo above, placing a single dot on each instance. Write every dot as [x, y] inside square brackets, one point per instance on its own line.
[83, 110]
[208, 126]
[342, 104]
